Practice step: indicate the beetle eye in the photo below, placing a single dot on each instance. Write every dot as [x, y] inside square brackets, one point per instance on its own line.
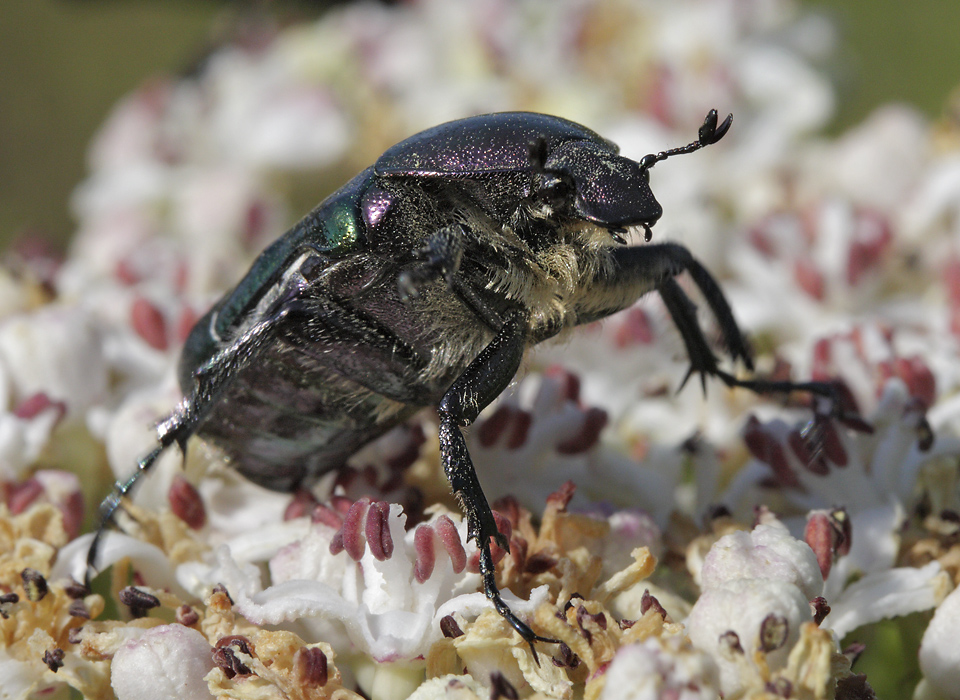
[538, 153]
[555, 187]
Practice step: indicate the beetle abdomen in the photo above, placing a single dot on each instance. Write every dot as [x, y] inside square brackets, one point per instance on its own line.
[289, 419]
[335, 375]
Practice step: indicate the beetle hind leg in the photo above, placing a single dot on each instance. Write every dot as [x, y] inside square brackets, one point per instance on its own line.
[178, 432]
[210, 380]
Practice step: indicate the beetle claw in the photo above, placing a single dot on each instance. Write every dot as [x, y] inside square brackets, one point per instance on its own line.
[502, 542]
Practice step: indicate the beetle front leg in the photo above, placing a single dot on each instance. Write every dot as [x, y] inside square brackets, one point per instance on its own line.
[684, 314]
[654, 267]
[702, 359]
[482, 381]
[657, 265]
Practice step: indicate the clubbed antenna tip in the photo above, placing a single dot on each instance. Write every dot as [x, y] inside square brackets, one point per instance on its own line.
[710, 132]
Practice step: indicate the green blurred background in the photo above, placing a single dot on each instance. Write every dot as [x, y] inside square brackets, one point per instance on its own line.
[63, 63]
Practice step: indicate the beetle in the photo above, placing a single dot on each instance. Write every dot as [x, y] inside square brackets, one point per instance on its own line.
[422, 282]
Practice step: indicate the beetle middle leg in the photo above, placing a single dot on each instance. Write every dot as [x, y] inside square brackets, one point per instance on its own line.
[481, 382]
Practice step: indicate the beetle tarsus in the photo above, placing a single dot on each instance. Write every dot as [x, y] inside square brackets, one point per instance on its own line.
[481, 525]
[209, 382]
[112, 503]
[684, 314]
[826, 390]
[660, 264]
[487, 573]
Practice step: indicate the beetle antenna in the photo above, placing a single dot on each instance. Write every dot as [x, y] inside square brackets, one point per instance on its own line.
[710, 132]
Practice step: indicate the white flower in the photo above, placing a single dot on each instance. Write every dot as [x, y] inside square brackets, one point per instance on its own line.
[451, 687]
[660, 668]
[57, 487]
[56, 351]
[277, 120]
[840, 256]
[929, 210]
[878, 162]
[526, 448]
[766, 552]
[24, 433]
[542, 434]
[732, 623]
[756, 592]
[21, 679]
[872, 476]
[147, 559]
[886, 594]
[373, 587]
[166, 662]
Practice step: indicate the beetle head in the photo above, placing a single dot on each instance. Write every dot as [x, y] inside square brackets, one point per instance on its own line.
[606, 188]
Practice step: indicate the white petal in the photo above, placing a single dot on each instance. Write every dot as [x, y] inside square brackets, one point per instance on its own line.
[767, 552]
[660, 668]
[939, 651]
[887, 594]
[168, 661]
[149, 560]
[20, 679]
[742, 606]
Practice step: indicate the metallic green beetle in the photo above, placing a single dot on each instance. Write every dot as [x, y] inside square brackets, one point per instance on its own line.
[422, 282]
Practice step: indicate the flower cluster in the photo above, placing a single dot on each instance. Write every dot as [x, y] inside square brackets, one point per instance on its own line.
[674, 544]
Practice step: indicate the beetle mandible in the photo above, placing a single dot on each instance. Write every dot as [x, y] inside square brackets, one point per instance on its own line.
[422, 282]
